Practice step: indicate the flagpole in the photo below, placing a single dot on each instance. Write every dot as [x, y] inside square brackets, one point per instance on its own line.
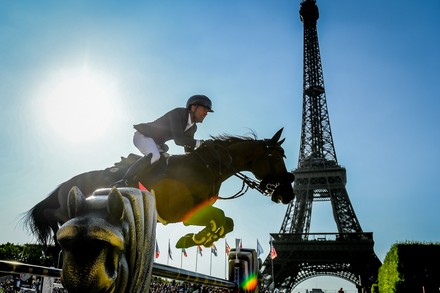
[197, 256]
[168, 252]
[157, 252]
[210, 263]
[271, 263]
[226, 259]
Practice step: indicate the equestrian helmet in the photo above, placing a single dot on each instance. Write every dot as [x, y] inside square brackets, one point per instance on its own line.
[200, 100]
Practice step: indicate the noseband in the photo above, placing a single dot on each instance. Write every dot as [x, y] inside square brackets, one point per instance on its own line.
[271, 182]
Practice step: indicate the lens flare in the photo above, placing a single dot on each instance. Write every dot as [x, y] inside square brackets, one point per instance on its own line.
[250, 283]
[199, 207]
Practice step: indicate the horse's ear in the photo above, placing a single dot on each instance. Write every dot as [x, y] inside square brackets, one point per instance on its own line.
[75, 202]
[277, 135]
[281, 141]
[115, 206]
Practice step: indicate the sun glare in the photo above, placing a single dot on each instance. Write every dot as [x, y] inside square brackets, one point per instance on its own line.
[79, 106]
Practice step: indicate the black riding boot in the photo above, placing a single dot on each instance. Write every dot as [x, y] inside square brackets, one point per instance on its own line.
[131, 176]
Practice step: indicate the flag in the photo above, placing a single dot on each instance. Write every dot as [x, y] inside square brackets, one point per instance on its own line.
[157, 250]
[184, 252]
[273, 252]
[227, 247]
[170, 254]
[259, 249]
[214, 249]
[199, 250]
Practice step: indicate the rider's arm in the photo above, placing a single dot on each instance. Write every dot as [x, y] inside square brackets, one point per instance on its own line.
[178, 122]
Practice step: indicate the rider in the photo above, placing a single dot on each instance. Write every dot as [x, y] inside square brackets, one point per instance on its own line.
[178, 124]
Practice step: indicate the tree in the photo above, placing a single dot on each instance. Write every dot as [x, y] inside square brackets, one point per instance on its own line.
[29, 253]
[409, 267]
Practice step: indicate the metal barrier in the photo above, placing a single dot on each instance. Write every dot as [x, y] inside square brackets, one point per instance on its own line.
[159, 270]
[22, 268]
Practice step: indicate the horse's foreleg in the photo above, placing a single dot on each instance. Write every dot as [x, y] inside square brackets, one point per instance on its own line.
[216, 227]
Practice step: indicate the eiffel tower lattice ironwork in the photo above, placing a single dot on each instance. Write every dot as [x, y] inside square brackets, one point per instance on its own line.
[349, 253]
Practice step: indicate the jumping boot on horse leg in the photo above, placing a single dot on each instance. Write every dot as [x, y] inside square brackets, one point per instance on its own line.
[130, 177]
[207, 236]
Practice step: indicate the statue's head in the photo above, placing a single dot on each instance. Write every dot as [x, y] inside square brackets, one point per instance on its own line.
[100, 241]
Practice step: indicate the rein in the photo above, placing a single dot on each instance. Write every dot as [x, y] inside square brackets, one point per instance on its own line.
[246, 183]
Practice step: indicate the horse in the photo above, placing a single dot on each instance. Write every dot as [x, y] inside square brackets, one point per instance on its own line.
[108, 243]
[186, 186]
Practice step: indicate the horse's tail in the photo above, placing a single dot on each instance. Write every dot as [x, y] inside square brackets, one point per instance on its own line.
[36, 220]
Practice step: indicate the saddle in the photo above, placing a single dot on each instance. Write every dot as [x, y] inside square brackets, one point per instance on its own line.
[130, 168]
[121, 167]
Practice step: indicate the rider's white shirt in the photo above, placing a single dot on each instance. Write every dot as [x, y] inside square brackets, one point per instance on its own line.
[190, 123]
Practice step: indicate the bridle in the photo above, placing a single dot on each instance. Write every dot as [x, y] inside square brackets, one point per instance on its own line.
[265, 189]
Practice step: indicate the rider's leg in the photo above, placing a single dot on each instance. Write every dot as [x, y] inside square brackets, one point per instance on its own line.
[132, 172]
[147, 146]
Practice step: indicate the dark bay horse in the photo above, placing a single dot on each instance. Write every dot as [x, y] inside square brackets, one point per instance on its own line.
[186, 188]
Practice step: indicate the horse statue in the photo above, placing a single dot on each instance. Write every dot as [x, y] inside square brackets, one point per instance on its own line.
[186, 186]
[108, 242]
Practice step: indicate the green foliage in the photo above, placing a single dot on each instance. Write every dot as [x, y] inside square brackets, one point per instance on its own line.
[10, 251]
[388, 273]
[409, 266]
[29, 253]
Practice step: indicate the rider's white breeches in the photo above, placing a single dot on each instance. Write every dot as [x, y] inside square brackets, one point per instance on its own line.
[146, 145]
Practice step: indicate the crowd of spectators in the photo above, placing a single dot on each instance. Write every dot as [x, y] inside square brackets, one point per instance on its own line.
[13, 284]
[162, 285]
[158, 285]
[7, 286]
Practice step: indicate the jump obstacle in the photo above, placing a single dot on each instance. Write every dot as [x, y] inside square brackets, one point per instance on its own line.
[110, 215]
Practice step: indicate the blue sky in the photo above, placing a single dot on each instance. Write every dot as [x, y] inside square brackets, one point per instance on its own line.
[115, 64]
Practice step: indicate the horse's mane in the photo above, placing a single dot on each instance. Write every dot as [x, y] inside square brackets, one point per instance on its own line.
[234, 138]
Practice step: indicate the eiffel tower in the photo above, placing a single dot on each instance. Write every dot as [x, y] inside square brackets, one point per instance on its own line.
[347, 253]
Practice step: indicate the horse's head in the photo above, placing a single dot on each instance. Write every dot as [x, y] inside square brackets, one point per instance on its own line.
[269, 167]
[100, 242]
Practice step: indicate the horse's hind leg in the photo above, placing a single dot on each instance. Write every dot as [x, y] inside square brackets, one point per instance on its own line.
[216, 227]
